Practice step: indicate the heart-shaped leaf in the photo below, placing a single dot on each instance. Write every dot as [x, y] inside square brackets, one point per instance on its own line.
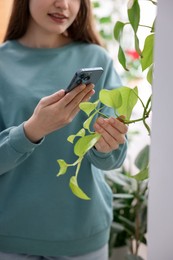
[118, 29]
[111, 98]
[134, 14]
[72, 137]
[142, 175]
[85, 143]
[129, 98]
[87, 123]
[76, 189]
[150, 75]
[63, 167]
[147, 52]
[142, 159]
[122, 58]
[88, 107]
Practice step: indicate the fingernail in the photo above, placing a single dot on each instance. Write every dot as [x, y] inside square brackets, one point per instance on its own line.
[93, 92]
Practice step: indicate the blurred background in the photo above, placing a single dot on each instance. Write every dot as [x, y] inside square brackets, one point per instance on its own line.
[127, 229]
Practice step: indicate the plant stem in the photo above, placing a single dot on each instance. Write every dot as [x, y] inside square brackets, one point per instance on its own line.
[145, 113]
[139, 99]
[135, 120]
[100, 113]
[141, 25]
[76, 162]
[78, 166]
[146, 26]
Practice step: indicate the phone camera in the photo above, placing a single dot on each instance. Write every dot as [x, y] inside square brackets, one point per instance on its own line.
[82, 76]
[79, 81]
[86, 78]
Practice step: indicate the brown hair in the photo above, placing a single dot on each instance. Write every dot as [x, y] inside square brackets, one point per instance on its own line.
[82, 29]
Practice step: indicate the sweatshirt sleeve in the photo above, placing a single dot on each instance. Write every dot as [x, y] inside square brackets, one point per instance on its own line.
[108, 161]
[14, 148]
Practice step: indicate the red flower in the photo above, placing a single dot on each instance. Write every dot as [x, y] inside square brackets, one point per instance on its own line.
[133, 54]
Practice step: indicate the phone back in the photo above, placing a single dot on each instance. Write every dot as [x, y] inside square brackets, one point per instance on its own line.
[85, 76]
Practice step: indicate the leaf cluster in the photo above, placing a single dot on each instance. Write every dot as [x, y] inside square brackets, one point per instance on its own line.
[122, 100]
[146, 55]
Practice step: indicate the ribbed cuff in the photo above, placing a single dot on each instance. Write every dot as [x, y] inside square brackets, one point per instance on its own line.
[19, 141]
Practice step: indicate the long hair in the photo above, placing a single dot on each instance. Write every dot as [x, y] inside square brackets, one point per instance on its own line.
[82, 29]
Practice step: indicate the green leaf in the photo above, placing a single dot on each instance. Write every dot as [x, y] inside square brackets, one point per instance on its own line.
[130, 225]
[153, 26]
[85, 143]
[134, 14]
[118, 204]
[117, 227]
[122, 99]
[87, 123]
[96, 4]
[118, 29]
[122, 58]
[147, 52]
[111, 98]
[76, 189]
[150, 75]
[106, 19]
[63, 167]
[142, 175]
[123, 196]
[88, 107]
[142, 159]
[72, 137]
[129, 98]
[118, 178]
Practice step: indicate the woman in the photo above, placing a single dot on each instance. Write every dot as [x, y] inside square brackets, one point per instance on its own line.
[45, 43]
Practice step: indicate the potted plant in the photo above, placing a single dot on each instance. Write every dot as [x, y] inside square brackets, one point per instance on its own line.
[129, 226]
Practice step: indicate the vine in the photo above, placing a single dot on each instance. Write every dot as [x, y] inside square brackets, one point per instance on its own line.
[122, 100]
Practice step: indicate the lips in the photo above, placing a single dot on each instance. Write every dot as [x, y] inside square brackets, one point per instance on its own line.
[58, 17]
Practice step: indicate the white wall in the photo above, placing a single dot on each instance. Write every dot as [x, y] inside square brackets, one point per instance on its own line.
[160, 237]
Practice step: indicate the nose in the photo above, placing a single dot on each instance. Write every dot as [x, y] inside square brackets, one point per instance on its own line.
[63, 4]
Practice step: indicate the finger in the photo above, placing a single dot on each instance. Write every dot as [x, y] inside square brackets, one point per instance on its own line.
[119, 125]
[86, 93]
[73, 94]
[88, 96]
[49, 100]
[106, 127]
[102, 146]
[110, 142]
[76, 108]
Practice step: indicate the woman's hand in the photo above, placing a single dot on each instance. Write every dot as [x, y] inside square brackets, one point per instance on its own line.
[55, 111]
[112, 132]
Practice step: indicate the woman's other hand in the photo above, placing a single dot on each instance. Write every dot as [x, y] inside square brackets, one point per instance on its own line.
[112, 131]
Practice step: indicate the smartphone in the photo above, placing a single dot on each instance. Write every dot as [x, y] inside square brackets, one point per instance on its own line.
[85, 76]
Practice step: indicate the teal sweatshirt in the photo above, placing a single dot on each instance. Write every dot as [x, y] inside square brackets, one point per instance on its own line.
[39, 215]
